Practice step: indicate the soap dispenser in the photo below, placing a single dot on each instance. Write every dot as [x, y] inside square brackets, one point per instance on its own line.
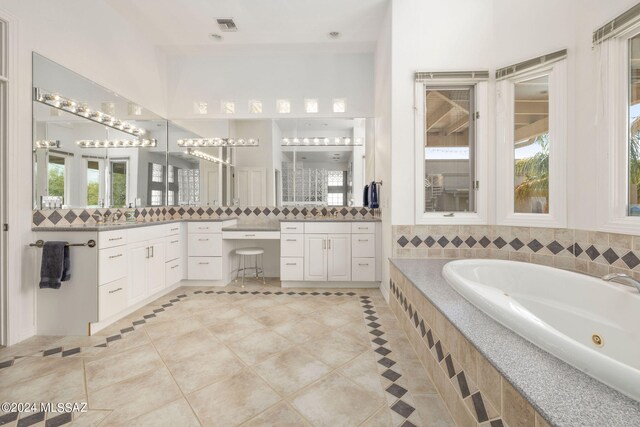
[130, 214]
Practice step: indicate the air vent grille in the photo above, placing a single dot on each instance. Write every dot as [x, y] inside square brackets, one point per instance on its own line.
[227, 24]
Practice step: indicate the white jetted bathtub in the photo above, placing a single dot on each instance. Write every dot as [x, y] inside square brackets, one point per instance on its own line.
[589, 323]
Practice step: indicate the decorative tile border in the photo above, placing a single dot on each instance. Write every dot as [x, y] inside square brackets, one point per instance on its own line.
[474, 392]
[66, 217]
[590, 252]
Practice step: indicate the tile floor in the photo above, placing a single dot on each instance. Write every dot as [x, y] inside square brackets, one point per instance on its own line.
[257, 356]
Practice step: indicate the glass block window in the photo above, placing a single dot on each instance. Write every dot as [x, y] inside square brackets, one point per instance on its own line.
[188, 186]
[171, 198]
[335, 178]
[157, 173]
[335, 199]
[156, 197]
[171, 174]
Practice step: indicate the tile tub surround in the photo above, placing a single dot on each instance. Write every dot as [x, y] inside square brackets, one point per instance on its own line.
[258, 355]
[65, 217]
[484, 371]
[591, 252]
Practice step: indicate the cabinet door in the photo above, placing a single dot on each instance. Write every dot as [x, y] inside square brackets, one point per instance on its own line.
[315, 257]
[137, 271]
[339, 257]
[156, 268]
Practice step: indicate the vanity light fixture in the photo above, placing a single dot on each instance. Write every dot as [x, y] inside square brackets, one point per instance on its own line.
[342, 141]
[83, 110]
[205, 156]
[48, 143]
[116, 143]
[219, 142]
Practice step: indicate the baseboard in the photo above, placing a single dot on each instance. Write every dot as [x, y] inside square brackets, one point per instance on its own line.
[345, 285]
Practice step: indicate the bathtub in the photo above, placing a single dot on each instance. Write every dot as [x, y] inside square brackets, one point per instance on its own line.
[591, 324]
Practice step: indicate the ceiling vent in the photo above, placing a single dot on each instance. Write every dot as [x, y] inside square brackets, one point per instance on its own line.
[227, 24]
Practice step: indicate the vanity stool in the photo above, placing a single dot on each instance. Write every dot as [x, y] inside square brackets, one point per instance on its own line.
[242, 258]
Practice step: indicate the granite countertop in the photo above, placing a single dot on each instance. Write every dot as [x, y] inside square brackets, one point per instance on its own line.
[123, 225]
[561, 393]
[253, 227]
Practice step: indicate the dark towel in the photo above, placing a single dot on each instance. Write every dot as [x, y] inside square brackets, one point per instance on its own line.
[56, 265]
[365, 196]
[373, 196]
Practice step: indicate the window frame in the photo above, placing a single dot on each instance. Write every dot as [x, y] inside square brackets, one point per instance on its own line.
[613, 178]
[101, 180]
[481, 95]
[505, 153]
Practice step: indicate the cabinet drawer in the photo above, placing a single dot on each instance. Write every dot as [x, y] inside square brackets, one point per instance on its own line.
[205, 245]
[112, 298]
[172, 229]
[205, 268]
[363, 227]
[112, 264]
[148, 232]
[363, 245]
[291, 268]
[109, 239]
[204, 227]
[363, 270]
[292, 227]
[173, 248]
[173, 272]
[292, 245]
[327, 227]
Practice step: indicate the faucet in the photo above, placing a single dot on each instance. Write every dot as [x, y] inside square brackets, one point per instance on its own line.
[116, 216]
[625, 279]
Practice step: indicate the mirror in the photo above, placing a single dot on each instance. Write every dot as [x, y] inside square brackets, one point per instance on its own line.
[95, 148]
[309, 162]
[92, 147]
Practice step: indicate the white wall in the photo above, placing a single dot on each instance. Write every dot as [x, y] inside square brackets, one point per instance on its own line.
[90, 38]
[270, 76]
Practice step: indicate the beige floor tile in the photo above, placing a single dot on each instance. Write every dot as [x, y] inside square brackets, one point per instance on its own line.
[135, 396]
[28, 346]
[121, 366]
[336, 401]
[176, 413]
[34, 367]
[281, 415]
[301, 329]
[364, 371]
[128, 341]
[274, 316]
[258, 346]
[172, 327]
[217, 315]
[236, 328]
[232, 401]
[432, 411]
[358, 331]
[91, 418]
[308, 305]
[334, 317]
[185, 345]
[382, 418]
[204, 368]
[291, 370]
[335, 348]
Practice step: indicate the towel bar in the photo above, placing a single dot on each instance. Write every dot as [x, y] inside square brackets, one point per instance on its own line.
[40, 243]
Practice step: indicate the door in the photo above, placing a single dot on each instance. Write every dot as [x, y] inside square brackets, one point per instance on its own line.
[315, 257]
[156, 278]
[252, 186]
[138, 257]
[339, 257]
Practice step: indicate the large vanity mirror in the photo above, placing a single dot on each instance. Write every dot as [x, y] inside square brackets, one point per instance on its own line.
[95, 148]
[92, 147]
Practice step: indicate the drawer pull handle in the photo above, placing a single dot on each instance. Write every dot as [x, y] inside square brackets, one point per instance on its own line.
[203, 263]
[175, 241]
[175, 266]
[363, 228]
[111, 239]
[249, 235]
[291, 228]
[203, 228]
[175, 229]
[363, 265]
[292, 240]
[115, 256]
[203, 240]
[292, 263]
[115, 290]
[363, 240]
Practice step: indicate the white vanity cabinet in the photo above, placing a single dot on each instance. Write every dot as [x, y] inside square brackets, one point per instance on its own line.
[328, 251]
[174, 254]
[146, 262]
[207, 257]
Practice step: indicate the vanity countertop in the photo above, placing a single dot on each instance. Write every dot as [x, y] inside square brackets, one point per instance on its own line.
[253, 227]
[561, 393]
[124, 225]
[331, 219]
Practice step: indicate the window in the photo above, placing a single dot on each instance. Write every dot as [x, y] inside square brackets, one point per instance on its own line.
[633, 125]
[200, 107]
[93, 184]
[156, 185]
[531, 129]
[119, 183]
[255, 106]
[228, 107]
[156, 197]
[339, 105]
[56, 177]
[336, 188]
[311, 105]
[451, 154]
[283, 106]
[188, 186]
[157, 172]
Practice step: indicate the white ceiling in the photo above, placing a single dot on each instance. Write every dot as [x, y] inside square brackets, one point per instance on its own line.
[185, 25]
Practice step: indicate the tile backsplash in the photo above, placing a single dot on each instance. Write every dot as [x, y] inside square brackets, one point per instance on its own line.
[66, 217]
[591, 252]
